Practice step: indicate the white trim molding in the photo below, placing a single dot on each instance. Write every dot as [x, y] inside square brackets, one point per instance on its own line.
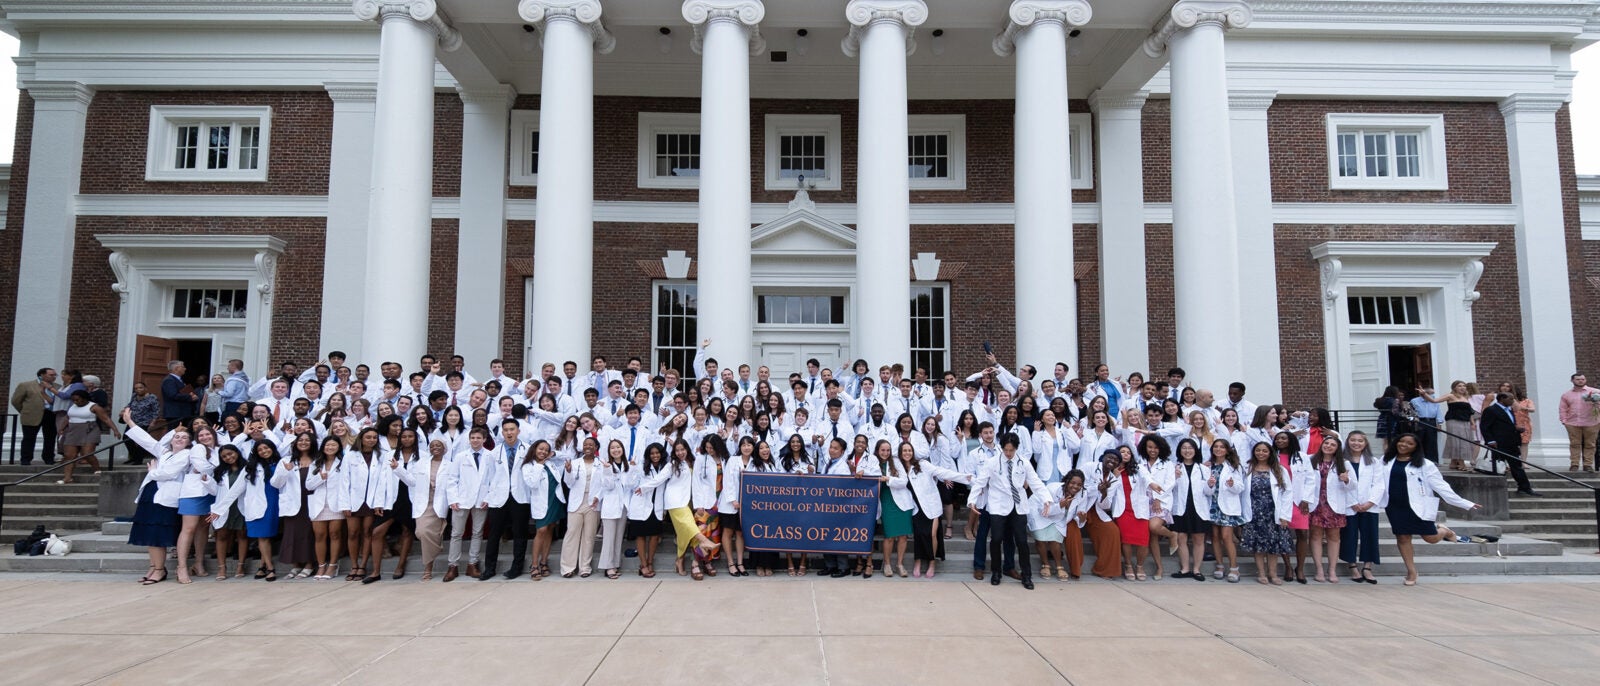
[1589, 206]
[524, 133]
[954, 128]
[826, 125]
[1432, 173]
[167, 120]
[1443, 275]
[1080, 126]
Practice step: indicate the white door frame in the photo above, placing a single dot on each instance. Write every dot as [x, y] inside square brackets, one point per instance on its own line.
[147, 267]
[1443, 275]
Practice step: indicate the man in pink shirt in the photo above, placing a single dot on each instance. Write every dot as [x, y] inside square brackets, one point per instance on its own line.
[1580, 413]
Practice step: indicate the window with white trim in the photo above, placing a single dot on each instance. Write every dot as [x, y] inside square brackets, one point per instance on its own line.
[800, 309]
[209, 303]
[803, 145]
[1386, 152]
[930, 328]
[524, 148]
[206, 143]
[936, 151]
[669, 150]
[1080, 141]
[1385, 310]
[674, 324]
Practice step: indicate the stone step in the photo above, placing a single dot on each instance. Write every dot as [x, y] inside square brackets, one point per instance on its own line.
[1552, 501]
[45, 510]
[1550, 525]
[50, 486]
[1427, 565]
[1519, 511]
[1580, 541]
[56, 524]
[31, 498]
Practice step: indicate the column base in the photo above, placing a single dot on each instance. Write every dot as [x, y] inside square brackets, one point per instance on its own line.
[1550, 453]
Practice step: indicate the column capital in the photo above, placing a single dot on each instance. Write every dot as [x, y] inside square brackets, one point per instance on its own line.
[1026, 13]
[746, 14]
[1531, 103]
[1122, 102]
[498, 95]
[351, 91]
[584, 12]
[1249, 100]
[59, 91]
[423, 12]
[906, 14]
[1187, 14]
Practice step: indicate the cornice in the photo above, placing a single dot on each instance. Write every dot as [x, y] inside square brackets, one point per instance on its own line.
[1026, 13]
[1251, 100]
[585, 12]
[1532, 103]
[1101, 101]
[1187, 14]
[1430, 12]
[908, 14]
[499, 95]
[351, 91]
[424, 12]
[59, 91]
[746, 14]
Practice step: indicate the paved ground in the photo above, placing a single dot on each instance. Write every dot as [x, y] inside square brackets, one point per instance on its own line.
[64, 628]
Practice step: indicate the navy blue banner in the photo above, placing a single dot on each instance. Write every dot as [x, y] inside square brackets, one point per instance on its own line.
[808, 513]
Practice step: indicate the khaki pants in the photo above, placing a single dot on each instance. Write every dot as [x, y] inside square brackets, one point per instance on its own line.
[577, 547]
[1580, 443]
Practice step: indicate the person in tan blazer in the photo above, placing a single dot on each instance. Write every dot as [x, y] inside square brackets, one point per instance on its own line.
[31, 400]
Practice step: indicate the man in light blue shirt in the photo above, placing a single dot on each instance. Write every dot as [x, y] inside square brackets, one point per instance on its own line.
[1428, 418]
[236, 390]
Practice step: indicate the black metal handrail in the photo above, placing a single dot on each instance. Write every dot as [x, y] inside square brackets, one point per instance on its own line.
[111, 459]
[13, 430]
[1594, 490]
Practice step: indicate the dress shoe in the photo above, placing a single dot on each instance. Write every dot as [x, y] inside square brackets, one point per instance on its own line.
[1027, 583]
[977, 574]
[472, 569]
[451, 572]
[488, 573]
[513, 573]
[1014, 574]
[839, 574]
[1531, 494]
[994, 580]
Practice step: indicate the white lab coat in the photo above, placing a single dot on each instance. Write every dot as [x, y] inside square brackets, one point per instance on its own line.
[539, 479]
[1186, 490]
[1283, 501]
[1425, 487]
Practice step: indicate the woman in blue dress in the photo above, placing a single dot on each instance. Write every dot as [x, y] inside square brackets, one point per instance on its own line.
[264, 459]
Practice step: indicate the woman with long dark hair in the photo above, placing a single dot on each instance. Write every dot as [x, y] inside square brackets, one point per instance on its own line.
[1409, 491]
[1226, 482]
[1358, 543]
[646, 509]
[1265, 505]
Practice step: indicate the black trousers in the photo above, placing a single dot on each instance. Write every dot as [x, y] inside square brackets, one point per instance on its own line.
[31, 433]
[1013, 529]
[1358, 542]
[1519, 474]
[515, 517]
[922, 534]
[1428, 436]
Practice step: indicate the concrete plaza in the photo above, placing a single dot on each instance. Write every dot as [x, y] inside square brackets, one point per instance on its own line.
[70, 629]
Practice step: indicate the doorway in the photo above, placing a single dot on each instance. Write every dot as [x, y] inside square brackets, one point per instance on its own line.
[1411, 367]
[196, 356]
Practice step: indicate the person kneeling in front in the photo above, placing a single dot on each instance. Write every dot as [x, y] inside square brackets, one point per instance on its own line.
[1005, 482]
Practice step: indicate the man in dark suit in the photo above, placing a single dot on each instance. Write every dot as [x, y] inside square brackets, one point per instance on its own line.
[1499, 427]
[179, 403]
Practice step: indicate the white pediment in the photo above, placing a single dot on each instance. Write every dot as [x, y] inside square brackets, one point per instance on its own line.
[802, 231]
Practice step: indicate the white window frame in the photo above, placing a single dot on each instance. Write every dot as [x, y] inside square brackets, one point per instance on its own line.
[805, 124]
[955, 127]
[655, 320]
[164, 123]
[653, 123]
[1430, 147]
[169, 300]
[524, 130]
[944, 287]
[1080, 127]
[1424, 321]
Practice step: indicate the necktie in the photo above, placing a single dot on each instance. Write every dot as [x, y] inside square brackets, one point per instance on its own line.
[475, 462]
[836, 431]
[1016, 498]
[613, 406]
[453, 398]
[277, 407]
[569, 386]
[633, 433]
[813, 384]
[745, 386]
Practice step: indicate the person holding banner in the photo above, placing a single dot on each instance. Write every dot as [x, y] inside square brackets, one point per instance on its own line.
[762, 462]
[835, 465]
[1003, 485]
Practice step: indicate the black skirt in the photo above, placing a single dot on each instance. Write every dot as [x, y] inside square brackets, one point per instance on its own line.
[728, 521]
[154, 525]
[400, 514]
[649, 526]
[1189, 522]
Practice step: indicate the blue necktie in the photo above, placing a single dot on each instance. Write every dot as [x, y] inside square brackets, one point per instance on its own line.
[633, 432]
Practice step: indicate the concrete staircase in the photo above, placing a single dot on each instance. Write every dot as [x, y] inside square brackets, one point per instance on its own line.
[61, 508]
[106, 550]
[1565, 515]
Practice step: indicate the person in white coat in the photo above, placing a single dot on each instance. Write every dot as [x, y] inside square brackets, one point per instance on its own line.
[584, 479]
[393, 509]
[620, 477]
[917, 488]
[1003, 485]
[1054, 443]
[1265, 505]
[718, 479]
[512, 513]
[155, 519]
[364, 495]
[1335, 491]
[194, 502]
[1160, 475]
[646, 509]
[678, 479]
[1409, 492]
[327, 504]
[1358, 543]
[1191, 508]
[469, 479]
[1225, 482]
[547, 503]
[228, 521]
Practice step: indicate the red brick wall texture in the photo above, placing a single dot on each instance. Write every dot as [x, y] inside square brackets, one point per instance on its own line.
[982, 295]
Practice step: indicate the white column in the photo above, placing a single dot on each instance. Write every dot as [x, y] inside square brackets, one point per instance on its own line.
[880, 33]
[1260, 369]
[481, 236]
[726, 35]
[401, 203]
[1124, 336]
[39, 333]
[1543, 281]
[1042, 237]
[563, 232]
[344, 278]
[1205, 255]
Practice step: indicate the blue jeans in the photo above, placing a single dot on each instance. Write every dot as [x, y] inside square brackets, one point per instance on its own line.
[980, 546]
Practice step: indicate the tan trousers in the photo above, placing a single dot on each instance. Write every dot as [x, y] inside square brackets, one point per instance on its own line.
[430, 532]
[1580, 442]
[577, 547]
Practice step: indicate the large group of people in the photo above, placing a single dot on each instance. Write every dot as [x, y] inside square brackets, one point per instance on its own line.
[331, 469]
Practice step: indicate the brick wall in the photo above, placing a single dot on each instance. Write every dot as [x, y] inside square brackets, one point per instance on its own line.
[1160, 300]
[297, 311]
[11, 237]
[442, 291]
[118, 131]
[1583, 257]
[1155, 127]
[1496, 317]
[1474, 139]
